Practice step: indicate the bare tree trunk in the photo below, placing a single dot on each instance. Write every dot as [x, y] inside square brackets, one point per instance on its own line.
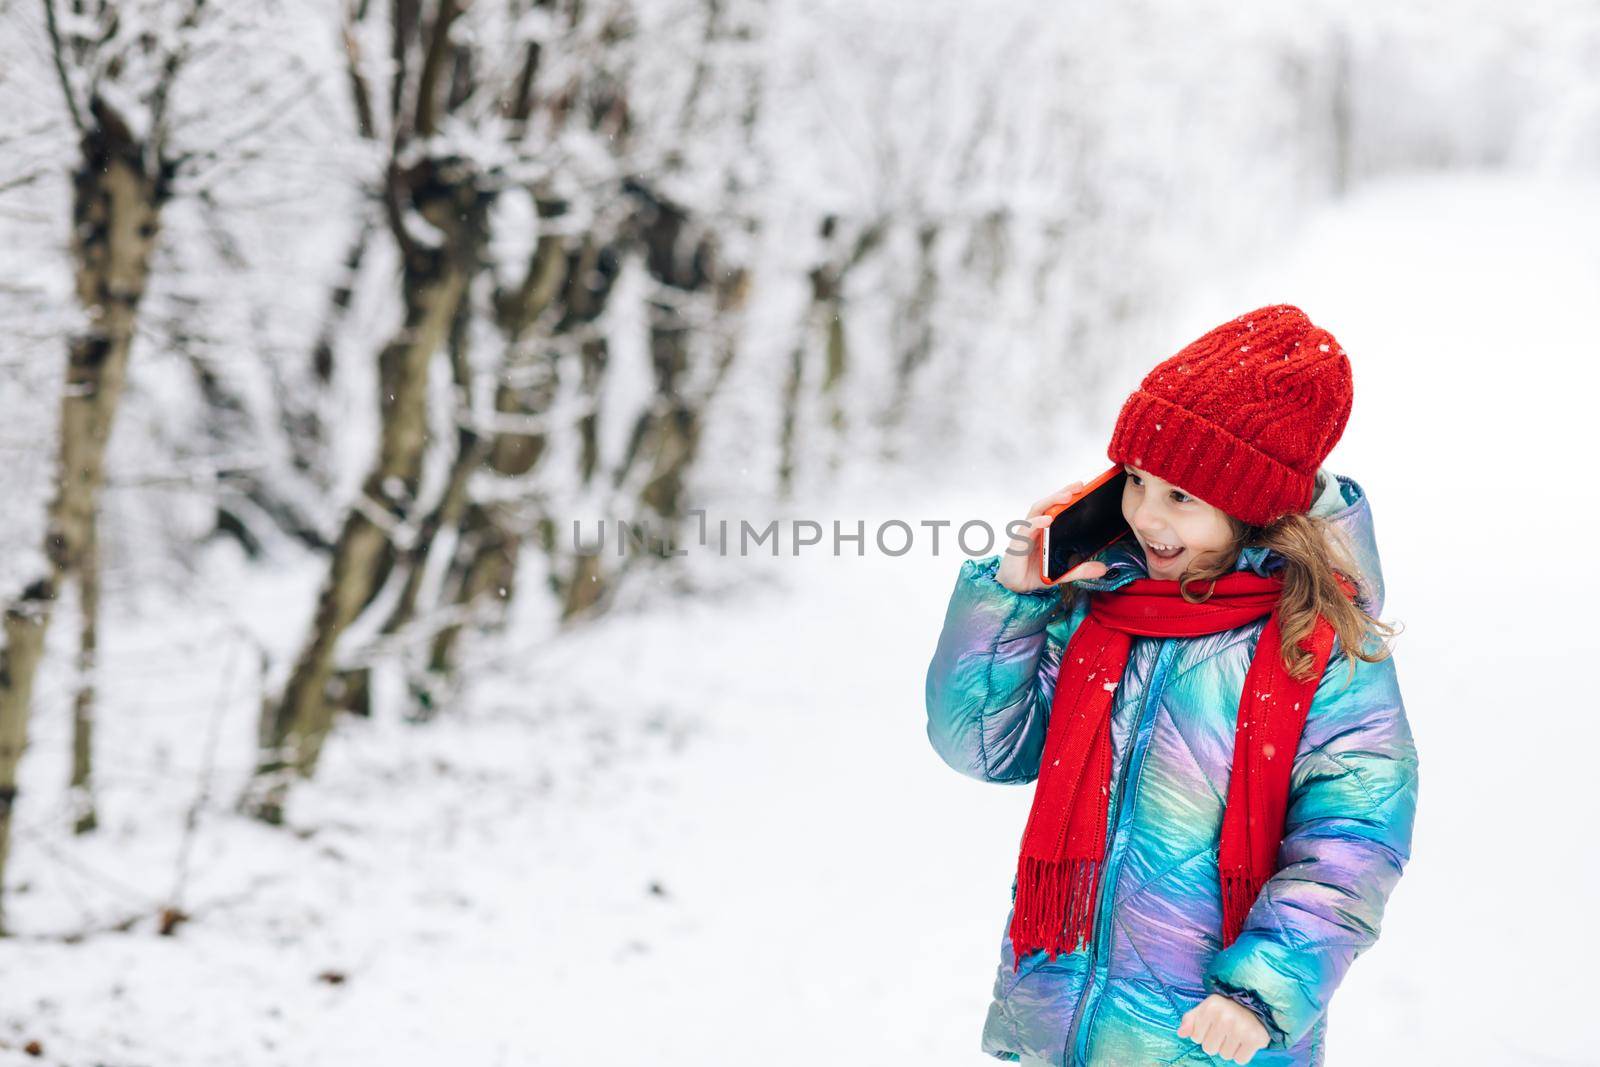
[837, 362]
[466, 551]
[913, 338]
[824, 321]
[301, 415]
[426, 561]
[584, 587]
[489, 555]
[81, 791]
[666, 438]
[580, 288]
[482, 555]
[378, 526]
[789, 420]
[117, 203]
[451, 506]
[527, 386]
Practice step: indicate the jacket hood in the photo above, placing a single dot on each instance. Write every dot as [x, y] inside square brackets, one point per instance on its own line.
[1339, 499]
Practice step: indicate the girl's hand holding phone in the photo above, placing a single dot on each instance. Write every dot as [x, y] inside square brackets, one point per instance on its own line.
[1025, 573]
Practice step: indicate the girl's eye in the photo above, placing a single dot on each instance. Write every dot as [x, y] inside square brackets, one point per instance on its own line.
[1181, 498]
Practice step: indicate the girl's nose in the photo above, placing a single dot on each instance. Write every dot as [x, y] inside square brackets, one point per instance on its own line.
[1147, 519]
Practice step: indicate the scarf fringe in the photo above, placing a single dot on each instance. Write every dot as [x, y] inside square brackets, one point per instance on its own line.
[1239, 892]
[1054, 908]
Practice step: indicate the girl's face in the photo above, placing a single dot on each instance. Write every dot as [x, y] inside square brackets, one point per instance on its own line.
[1174, 528]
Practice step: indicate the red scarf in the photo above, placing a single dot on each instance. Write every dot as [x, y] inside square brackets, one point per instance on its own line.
[1058, 872]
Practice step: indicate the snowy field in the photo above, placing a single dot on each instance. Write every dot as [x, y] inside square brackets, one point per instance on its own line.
[672, 838]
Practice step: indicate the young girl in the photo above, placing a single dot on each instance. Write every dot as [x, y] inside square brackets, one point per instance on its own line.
[1226, 780]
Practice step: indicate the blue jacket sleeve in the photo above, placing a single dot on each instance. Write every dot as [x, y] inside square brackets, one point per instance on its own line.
[993, 675]
[1347, 837]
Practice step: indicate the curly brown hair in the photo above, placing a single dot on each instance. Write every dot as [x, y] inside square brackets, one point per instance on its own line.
[1314, 551]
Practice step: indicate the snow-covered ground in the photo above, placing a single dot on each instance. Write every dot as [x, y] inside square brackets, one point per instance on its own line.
[714, 832]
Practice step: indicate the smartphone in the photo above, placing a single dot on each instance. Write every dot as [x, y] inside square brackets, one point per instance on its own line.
[1084, 525]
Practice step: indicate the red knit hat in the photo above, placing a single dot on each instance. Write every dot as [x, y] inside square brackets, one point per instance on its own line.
[1243, 416]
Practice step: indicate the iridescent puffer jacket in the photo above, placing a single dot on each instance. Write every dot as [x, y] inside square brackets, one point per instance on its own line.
[1156, 951]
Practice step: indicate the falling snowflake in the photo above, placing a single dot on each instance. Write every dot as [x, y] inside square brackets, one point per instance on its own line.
[1109, 687]
[1267, 750]
[1322, 348]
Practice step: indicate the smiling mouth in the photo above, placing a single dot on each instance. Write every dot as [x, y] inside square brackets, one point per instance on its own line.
[1166, 555]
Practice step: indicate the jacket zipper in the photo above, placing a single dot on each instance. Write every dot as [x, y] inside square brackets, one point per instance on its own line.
[1093, 986]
